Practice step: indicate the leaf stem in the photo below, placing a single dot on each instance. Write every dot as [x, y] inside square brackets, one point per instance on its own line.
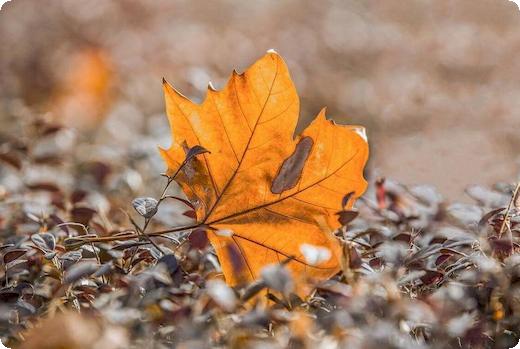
[506, 216]
[141, 232]
[135, 236]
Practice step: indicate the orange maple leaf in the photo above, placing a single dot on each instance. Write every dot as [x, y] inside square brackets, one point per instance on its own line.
[265, 195]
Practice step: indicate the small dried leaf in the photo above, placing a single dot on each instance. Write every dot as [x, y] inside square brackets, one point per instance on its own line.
[11, 159]
[16, 262]
[431, 276]
[170, 261]
[89, 251]
[82, 215]
[404, 237]
[199, 239]
[99, 170]
[77, 196]
[347, 216]
[59, 222]
[502, 247]
[25, 308]
[442, 259]
[48, 159]
[381, 193]
[190, 214]
[6, 246]
[48, 130]
[50, 255]
[485, 218]
[346, 199]
[44, 187]
[14, 254]
[72, 256]
[278, 278]
[104, 269]
[79, 271]
[9, 295]
[146, 206]
[221, 294]
[351, 259]
[44, 241]
[253, 289]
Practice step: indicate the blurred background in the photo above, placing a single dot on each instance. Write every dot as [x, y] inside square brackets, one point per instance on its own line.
[435, 82]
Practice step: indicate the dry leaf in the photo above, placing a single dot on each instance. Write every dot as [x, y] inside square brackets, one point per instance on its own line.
[258, 183]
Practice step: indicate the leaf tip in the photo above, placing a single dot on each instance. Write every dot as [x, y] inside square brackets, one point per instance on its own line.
[361, 131]
[163, 151]
[211, 87]
[322, 114]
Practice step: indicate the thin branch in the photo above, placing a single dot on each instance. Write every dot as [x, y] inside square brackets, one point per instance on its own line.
[506, 215]
[132, 236]
[141, 232]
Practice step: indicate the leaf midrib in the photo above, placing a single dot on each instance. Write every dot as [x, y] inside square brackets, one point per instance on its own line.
[228, 183]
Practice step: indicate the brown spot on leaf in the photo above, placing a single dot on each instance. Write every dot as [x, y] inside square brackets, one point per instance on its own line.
[238, 262]
[292, 167]
[11, 159]
[191, 165]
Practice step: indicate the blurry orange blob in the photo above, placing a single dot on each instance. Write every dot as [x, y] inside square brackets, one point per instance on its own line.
[85, 92]
[70, 330]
